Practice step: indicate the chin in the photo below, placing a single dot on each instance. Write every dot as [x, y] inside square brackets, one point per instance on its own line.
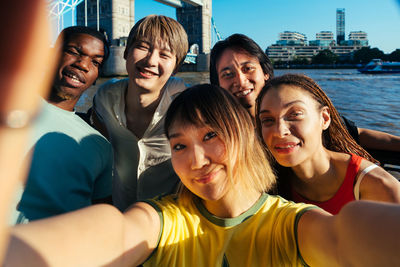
[289, 163]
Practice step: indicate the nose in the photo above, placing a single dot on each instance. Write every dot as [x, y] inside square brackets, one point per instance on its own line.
[82, 63]
[241, 80]
[198, 158]
[282, 128]
[152, 58]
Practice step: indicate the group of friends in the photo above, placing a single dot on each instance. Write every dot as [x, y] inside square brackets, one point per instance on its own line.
[248, 170]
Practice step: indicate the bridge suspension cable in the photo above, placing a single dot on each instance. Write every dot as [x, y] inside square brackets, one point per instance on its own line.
[58, 8]
[216, 36]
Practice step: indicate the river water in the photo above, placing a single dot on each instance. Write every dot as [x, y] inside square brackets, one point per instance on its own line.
[371, 101]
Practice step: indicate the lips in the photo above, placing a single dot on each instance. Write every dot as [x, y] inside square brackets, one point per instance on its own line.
[147, 73]
[207, 177]
[286, 148]
[243, 93]
[73, 78]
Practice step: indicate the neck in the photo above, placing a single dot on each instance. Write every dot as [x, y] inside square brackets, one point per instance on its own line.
[142, 99]
[313, 167]
[66, 104]
[232, 205]
[317, 178]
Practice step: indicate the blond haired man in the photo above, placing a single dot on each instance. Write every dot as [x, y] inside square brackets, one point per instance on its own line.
[131, 111]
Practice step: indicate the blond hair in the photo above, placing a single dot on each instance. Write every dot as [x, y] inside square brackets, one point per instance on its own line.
[209, 105]
[155, 28]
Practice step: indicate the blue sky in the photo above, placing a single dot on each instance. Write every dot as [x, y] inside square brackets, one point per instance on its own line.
[263, 20]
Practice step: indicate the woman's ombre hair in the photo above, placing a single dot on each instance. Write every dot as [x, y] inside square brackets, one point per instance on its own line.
[208, 105]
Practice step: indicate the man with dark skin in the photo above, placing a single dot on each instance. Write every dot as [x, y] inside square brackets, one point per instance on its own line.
[71, 162]
[240, 66]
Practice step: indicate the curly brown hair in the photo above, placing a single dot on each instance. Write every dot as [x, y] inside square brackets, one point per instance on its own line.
[334, 138]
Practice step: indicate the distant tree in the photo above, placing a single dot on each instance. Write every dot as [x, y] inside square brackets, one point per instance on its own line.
[394, 56]
[300, 61]
[325, 57]
[366, 54]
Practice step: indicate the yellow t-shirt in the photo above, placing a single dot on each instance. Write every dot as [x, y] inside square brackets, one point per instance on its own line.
[265, 235]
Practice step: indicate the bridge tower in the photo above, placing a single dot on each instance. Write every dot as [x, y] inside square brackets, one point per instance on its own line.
[197, 22]
[116, 17]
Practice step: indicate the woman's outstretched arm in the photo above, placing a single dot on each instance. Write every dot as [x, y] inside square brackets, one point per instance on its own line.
[99, 235]
[364, 234]
[26, 70]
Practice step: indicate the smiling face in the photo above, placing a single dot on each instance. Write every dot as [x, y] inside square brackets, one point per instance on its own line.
[241, 74]
[150, 66]
[79, 66]
[198, 156]
[291, 124]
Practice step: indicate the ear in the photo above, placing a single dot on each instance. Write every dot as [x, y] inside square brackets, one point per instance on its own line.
[266, 77]
[326, 117]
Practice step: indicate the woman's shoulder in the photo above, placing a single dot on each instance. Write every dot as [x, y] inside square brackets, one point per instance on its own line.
[377, 184]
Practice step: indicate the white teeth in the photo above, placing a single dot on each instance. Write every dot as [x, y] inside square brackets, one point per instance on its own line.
[74, 77]
[243, 93]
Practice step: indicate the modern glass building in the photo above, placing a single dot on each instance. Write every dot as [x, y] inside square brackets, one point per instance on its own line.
[358, 38]
[292, 38]
[323, 38]
[340, 25]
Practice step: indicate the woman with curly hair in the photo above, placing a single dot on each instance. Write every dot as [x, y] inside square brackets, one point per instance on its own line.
[317, 160]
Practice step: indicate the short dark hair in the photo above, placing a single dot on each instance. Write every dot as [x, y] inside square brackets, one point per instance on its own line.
[69, 32]
[238, 42]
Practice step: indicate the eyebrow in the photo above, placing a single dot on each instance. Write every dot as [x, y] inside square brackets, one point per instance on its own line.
[79, 49]
[285, 106]
[174, 135]
[241, 64]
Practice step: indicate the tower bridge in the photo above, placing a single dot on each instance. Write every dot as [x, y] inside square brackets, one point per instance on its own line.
[117, 17]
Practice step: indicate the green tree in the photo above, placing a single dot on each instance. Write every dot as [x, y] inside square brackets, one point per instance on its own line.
[325, 57]
[394, 56]
[300, 61]
[366, 54]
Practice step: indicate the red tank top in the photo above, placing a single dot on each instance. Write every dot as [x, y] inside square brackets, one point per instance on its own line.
[344, 194]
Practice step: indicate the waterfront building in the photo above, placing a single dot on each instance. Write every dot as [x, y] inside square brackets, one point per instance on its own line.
[358, 38]
[289, 53]
[293, 45]
[340, 25]
[292, 38]
[323, 38]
